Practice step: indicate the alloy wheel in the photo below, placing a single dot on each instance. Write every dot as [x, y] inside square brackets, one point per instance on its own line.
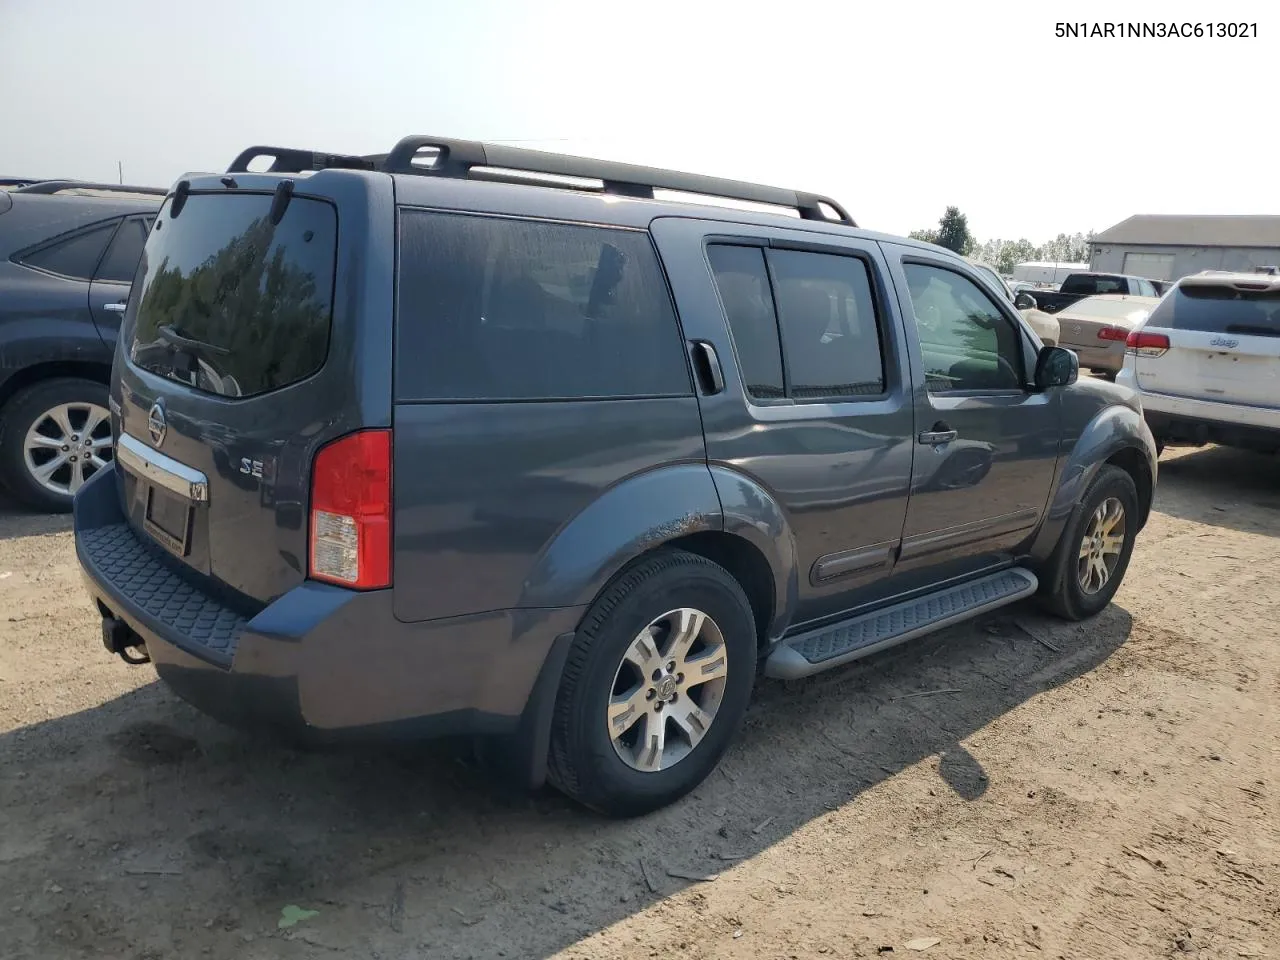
[667, 690]
[66, 445]
[1101, 546]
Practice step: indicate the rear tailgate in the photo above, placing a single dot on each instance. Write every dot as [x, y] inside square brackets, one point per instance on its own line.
[246, 347]
[1224, 342]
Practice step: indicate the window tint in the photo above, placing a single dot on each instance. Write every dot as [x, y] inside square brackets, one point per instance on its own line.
[1145, 288]
[121, 261]
[828, 320]
[966, 342]
[74, 257]
[496, 309]
[743, 282]
[1212, 309]
[231, 303]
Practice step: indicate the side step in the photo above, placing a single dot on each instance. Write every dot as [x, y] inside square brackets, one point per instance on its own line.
[831, 646]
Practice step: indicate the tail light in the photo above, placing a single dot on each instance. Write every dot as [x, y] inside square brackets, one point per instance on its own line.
[1113, 333]
[1143, 344]
[351, 511]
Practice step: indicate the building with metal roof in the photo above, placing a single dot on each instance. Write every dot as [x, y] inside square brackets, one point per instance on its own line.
[1162, 247]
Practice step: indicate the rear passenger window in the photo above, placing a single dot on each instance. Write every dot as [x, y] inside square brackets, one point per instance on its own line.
[75, 256]
[500, 309]
[121, 261]
[805, 326]
[829, 333]
[743, 282]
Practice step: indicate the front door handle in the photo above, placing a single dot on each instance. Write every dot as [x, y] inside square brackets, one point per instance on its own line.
[115, 307]
[940, 434]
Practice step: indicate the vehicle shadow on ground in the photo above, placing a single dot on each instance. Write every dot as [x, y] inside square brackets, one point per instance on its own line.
[1222, 487]
[17, 520]
[410, 853]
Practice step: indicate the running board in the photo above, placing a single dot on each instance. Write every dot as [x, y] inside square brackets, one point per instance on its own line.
[818, 650]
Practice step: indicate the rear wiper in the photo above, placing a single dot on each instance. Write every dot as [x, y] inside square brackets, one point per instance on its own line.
[1253, 330]
[195, 347]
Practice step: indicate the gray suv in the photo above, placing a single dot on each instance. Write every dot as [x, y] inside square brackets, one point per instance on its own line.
[465, 439]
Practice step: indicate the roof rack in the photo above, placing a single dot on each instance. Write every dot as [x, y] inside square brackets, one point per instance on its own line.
[62, 186]
[461, 159]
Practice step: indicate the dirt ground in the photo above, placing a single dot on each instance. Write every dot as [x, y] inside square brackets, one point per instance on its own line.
[1016, 787]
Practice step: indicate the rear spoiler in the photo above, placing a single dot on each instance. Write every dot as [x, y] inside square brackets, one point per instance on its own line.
[463, 159]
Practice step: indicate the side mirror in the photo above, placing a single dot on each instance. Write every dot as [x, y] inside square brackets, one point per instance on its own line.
[1056, 367]
[1024, 301]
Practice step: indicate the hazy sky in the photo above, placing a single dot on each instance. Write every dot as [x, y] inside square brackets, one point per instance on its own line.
[896, 108]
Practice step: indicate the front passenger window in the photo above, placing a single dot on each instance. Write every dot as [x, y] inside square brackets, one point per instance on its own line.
[967, 343]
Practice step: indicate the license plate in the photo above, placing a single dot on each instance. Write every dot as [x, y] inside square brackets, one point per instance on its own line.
[168, 519]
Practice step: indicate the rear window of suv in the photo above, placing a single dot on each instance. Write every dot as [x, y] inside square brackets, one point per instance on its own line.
[503, 309]
[232, 304]
[1220, 309]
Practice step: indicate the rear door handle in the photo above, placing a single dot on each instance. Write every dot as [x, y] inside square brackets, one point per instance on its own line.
[939, 435]
[115, 307]
[707, 364]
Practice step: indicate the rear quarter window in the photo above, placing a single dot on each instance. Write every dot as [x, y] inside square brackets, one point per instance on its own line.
[502, 309]
[75, 256]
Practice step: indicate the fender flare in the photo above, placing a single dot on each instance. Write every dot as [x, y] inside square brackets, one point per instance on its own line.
[634, 517]
[1113, 429]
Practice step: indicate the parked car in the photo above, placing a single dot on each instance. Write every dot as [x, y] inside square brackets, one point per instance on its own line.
[566, 468]
[68, 252]
[1162, 286]
[1206, 362]
[1080, 285]
[1045, 326]
[1096, 328]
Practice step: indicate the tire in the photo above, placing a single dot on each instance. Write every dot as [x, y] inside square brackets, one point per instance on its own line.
[621, 779]
[80, 403]
[1067, 595]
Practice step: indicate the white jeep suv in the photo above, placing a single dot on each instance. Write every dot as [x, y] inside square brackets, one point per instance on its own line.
[1206, 362]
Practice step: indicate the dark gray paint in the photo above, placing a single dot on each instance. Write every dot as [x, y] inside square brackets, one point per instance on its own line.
[839, 472]
[980, 495]
[529, 504]
[510, 518]
[47, 324]
[250, 539]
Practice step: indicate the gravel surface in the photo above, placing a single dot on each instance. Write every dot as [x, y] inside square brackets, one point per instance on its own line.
[1011, 788]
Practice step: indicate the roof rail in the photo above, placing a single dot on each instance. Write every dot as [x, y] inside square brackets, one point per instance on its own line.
[290, 160]
[59, 186]
[460, 159]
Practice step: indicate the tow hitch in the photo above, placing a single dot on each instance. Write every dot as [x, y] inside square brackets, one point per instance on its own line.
[119, 639]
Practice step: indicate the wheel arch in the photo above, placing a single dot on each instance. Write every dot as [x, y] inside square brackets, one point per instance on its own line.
[35, 373]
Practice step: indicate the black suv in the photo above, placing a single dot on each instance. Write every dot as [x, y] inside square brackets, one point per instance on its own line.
[470, 439]
[68, 252]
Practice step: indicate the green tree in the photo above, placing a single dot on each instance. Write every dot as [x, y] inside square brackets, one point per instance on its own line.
[953, 232]
[928, 236]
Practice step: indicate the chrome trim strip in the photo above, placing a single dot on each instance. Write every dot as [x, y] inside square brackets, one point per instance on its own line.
[162, 470]
[965, 533]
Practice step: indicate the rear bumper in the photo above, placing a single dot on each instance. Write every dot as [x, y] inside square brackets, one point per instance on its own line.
[1181, 429]
[1107, 359]
[1189, 420]
[320, 661]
